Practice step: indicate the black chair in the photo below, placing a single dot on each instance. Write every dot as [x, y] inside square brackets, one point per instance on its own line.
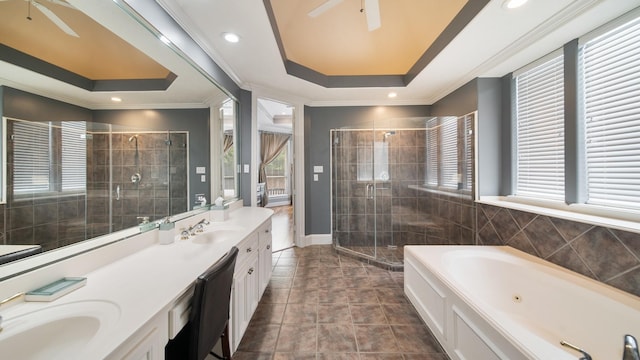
[209, 317]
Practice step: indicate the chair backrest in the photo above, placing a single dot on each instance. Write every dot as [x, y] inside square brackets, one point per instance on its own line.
[210, 306]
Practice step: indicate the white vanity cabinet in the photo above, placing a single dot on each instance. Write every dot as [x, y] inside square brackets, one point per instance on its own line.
[251, 276]
[151, 285]
[266, 260]
[147, 343]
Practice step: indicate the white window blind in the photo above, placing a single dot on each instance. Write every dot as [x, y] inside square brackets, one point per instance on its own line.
[540, 130]
[432, 152]
[611, 70]
[74, 156]
[31, 157]
[449, 155]
[468, 151]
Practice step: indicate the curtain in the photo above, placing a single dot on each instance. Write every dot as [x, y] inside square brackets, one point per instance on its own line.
[228, 142]
[271, 145]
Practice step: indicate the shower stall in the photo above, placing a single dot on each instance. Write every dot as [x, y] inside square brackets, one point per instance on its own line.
[402, 182]
[69, 181]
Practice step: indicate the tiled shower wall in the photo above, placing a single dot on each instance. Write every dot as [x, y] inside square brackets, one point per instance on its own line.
[443, 220]
[402, 215]
[51, 221]
[605, 254]
[58, 221]
[355, 217]
[152, 197]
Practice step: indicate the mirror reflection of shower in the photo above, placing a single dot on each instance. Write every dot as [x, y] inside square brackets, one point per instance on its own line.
[136, 177]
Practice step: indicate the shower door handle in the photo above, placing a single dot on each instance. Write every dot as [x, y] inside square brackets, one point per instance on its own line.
[118, 192]
[370, 191]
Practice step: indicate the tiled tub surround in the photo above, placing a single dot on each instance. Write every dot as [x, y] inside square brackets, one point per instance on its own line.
[605, 254]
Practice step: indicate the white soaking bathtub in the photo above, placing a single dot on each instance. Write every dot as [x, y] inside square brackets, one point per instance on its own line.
[496, 302]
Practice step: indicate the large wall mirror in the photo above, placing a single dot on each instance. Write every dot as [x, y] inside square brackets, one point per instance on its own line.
[120, 117]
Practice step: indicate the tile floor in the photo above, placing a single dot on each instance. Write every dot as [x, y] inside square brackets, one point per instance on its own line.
[322, 306]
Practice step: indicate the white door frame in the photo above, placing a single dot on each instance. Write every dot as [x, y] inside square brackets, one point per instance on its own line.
[298, 155]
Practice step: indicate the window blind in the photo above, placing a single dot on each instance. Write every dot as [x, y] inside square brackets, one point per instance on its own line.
[611, 70]
[468, 149]
[540, 130]
[432, 152]
[449, 155]
[74, 155]
[31, 157]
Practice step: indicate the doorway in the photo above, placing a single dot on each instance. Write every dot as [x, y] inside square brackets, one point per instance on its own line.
[275, 188]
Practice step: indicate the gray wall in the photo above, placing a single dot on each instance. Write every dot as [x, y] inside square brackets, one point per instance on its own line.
[246, 191]
[484, 95]
[318, 123]
[23, 105]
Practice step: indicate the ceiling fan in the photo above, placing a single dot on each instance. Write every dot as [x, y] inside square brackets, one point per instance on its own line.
[50, 14]
[371, 9]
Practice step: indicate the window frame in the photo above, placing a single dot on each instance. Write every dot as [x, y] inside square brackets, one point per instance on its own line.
[55, 177]
[464, 143]
[575, 206]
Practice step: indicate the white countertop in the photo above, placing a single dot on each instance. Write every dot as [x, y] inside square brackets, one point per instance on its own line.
[146, 282]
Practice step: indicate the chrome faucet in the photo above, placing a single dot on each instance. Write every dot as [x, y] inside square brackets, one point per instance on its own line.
[630, 348]
[198, 226]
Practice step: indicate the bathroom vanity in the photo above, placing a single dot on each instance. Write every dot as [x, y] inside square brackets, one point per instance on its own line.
[138, 292]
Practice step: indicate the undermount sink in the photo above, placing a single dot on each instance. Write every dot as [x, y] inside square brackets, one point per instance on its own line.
[56, 332]
[217, 234]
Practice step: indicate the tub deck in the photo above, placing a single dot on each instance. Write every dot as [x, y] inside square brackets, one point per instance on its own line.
[496, 302]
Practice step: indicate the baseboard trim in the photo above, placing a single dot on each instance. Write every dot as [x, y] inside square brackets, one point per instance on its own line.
[317, 239]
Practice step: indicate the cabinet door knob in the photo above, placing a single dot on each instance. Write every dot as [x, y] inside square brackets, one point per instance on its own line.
[250, 271]
[268, 247]
[248, 250]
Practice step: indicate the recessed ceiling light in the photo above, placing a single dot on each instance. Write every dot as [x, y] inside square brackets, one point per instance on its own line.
[392, 95]
[231, 37]
[116, 99]
[512, 4]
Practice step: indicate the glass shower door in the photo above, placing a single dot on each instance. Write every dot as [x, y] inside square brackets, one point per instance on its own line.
[354, 191]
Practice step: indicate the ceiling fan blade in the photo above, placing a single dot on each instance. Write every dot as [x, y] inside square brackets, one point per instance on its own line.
[54, 18]
[324, 7]
[62, 3]
[372, 9]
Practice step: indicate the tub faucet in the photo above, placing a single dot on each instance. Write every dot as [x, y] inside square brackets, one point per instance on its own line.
[585, 355]
[630, 348]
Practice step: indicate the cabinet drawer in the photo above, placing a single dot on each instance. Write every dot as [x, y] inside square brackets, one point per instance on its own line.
[179, 313]
[246, 248]
[265, 234]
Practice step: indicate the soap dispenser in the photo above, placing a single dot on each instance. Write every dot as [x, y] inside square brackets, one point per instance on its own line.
[166, 235]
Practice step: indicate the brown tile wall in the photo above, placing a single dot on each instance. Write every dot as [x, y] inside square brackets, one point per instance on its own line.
[608, 255]
[56, 222]
[354, 216]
